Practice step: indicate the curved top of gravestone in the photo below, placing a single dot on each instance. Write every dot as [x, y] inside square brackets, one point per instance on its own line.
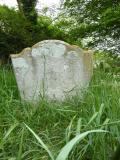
[55, 48]
[51, 68]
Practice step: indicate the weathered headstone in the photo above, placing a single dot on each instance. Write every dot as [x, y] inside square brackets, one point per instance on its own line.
[53, 69]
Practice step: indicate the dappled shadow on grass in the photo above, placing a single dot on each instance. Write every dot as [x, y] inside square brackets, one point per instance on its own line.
[57, 122]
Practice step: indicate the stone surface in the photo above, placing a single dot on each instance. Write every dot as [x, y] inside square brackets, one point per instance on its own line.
[53, 69]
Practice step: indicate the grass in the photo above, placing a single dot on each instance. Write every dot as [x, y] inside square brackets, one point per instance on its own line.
[56, 123]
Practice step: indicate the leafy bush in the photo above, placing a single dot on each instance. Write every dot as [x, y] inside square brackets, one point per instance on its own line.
[108, 62]
[17, 33]
[13, 31]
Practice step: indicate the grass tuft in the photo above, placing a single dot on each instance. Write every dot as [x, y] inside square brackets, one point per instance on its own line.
[58, 123]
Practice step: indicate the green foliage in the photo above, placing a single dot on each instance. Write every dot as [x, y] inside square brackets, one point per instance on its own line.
[107, 62]
[27, 8]
[57, 123]
[95, 18]
[65, 151]
[98, 7]
[16, 32]
[13, 31]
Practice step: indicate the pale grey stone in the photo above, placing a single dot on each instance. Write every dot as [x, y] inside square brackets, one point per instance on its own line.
[53, 69]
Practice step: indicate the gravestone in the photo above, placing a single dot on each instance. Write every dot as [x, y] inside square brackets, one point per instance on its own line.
[53, 69]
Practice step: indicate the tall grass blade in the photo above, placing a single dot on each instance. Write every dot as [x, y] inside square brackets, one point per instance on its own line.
[105, 123]
[63, 155]
[69, 129]
[10, 130]
[92, 118]
[100, 113]
[40, 141]
[20, 146]
[8, 133]
[79, 125]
